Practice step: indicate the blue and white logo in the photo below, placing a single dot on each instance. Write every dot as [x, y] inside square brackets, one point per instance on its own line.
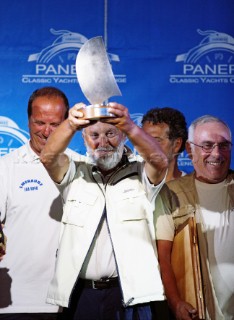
[31, 185]
[11, 136]
[56, 63]
[211, 61]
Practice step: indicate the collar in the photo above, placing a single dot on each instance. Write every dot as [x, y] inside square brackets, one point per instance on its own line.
[27, 154]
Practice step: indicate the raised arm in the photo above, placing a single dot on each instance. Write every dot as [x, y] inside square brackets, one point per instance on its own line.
[56, 162]
[147, 146]
[52, 156]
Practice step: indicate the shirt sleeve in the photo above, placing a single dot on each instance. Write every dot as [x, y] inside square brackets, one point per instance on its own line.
[151, 189]
[64, 185]
[163, 220]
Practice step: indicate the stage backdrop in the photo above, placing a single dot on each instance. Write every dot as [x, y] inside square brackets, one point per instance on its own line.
[163, 53]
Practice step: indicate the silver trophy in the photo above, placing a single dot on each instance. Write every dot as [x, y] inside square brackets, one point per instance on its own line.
[96, 79]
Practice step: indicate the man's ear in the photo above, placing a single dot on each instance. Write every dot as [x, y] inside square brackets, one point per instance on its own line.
[189, 150]
[177, 143]
[84, 139]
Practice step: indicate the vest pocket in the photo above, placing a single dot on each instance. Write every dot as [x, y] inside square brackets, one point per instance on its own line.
[132, 207]
[180, 215]
[76, 210]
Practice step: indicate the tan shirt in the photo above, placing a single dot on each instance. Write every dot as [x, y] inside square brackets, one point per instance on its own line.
[177, 201]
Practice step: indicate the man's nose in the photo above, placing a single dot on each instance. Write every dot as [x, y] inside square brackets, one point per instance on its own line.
[216, 149]
[103, 140]
[47, 129]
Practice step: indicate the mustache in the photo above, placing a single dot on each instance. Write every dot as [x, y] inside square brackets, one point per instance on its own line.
[106, 149]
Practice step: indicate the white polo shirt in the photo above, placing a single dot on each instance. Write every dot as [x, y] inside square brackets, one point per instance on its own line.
[32, 208]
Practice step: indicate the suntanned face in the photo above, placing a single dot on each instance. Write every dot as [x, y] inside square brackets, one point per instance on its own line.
[104, 143]
[160, 132]
[47, 114]
[211, 167]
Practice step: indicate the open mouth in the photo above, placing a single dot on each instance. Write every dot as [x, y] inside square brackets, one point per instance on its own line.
[42, 140]
[214, 163]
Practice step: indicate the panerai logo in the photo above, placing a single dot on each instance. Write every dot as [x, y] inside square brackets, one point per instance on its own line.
[56, 63]
[11, 136]
[211, 61]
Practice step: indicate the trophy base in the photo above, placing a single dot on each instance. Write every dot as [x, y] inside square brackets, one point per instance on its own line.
[96, 111]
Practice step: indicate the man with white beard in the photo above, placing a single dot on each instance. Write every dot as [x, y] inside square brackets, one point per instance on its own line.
[107, 265]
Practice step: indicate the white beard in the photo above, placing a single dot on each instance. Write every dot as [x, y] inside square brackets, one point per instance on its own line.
[107, 162]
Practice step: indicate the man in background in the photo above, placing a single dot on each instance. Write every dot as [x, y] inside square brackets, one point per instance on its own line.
[31, 210]
[168, 126]
[208, 195]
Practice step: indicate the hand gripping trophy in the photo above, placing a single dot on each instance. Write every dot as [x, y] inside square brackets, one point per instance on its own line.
[96, 79]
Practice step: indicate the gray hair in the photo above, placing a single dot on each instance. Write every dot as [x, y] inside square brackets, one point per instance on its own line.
[202, 120]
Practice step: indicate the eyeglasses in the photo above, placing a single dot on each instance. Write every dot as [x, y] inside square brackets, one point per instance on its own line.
[208, 146]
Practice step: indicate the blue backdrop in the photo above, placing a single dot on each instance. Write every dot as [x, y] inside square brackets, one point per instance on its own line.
[163, 53]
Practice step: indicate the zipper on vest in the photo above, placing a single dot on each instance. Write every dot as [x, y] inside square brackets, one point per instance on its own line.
[104, 216]
[127, 303]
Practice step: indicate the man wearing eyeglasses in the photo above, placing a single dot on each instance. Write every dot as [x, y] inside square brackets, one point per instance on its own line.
[107, 264]
[208, 195]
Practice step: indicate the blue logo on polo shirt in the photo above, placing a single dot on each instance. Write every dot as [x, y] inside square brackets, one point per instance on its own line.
[30, 185]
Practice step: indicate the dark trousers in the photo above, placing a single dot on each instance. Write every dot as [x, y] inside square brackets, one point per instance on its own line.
[104, 304]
